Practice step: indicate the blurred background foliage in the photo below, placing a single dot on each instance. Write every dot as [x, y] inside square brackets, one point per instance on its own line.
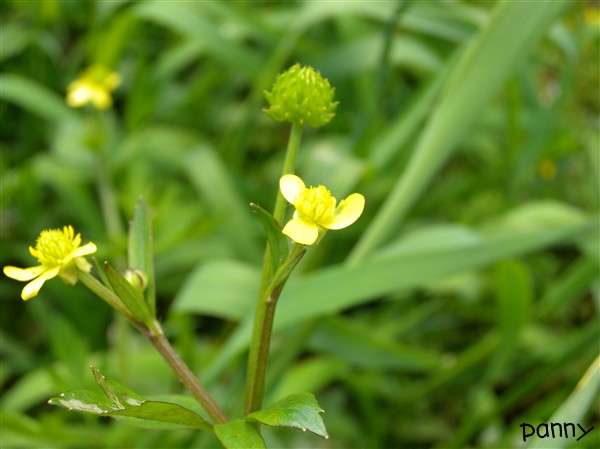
[470, 304]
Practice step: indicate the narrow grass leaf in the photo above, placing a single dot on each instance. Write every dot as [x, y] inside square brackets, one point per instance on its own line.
[220, 288]
[186, 19]
[574, 408]
[141, 249]
[492, 56]
[34, 97]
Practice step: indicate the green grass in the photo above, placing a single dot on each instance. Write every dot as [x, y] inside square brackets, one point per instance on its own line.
[463, 302]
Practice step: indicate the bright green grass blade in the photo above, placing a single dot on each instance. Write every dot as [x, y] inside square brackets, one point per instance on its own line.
[220, 288]
[410, 264]
[575, 407]
[186, 19]
[492, 56]
[214, 182]
[514, 292]
[34, 97]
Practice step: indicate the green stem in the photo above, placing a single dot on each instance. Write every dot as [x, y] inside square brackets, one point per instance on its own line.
[266, 303]
[155, 334]
[288, 167]
[188, 379]
[263, 327]
[105, 294]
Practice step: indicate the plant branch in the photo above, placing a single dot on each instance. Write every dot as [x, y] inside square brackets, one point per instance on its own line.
[266, 302]
[183, 372]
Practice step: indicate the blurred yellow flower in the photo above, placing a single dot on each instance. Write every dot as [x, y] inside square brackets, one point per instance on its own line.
[93, 86]
[59, 253]
[316, 210]
[547, 169]
[592, 15]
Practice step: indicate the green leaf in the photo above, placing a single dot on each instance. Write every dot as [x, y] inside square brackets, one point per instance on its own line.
[277, 242]
[300, 410]
[214, 182]
[239, 434]
[130, 296]
[426, 256]
[146, 414]
[34, 97]
[141, 249]
[281, 275]
[234, 283]
[514, 294]
[187, 19]
[575, 407]
[114, 390]
[122, 403]
[514, 29]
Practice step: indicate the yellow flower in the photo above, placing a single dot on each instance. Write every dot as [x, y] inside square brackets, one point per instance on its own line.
[316, 210]
[93, 86]
[59, 253]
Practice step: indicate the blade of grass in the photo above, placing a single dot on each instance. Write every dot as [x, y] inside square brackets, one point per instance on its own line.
[491, 57]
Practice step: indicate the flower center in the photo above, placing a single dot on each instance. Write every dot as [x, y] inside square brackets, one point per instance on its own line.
[315, 204]
[54, 245]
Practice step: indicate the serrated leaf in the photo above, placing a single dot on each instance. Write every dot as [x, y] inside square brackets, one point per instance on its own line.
[122, 403]
[114, 391]
[239, 434]
[131, 297]
[146, 414]
[300, 410]
[277, 242]
[141, 249]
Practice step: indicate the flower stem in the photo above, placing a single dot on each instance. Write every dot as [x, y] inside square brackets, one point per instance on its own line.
[154, 333]
[267, 301]
[183, 372]
[288, 167]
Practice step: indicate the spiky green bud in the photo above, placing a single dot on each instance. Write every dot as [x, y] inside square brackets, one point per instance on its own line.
[301, 95]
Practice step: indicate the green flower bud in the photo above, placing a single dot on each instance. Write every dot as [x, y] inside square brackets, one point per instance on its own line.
[137, 278]
[301, 95]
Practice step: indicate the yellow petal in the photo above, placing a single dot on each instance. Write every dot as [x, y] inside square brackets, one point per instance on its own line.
[291, 186]
[101, 98]
[346, 213]
[78, 94]
[23, 274]
[301, 231]
[112, 81]
[34, 286]
[88, 248]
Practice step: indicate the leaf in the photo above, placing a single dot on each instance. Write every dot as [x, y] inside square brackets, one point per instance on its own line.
[493, 55]
[131, 297]
[404, 265]
[141, 249]
[514, 294]
[34, 97]
[214, 182]
[188, 20]
[281, 275]
[277, 242]
[234, 283]
[574, 408]
[120, 402]
[239, 434]
[300, 410]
